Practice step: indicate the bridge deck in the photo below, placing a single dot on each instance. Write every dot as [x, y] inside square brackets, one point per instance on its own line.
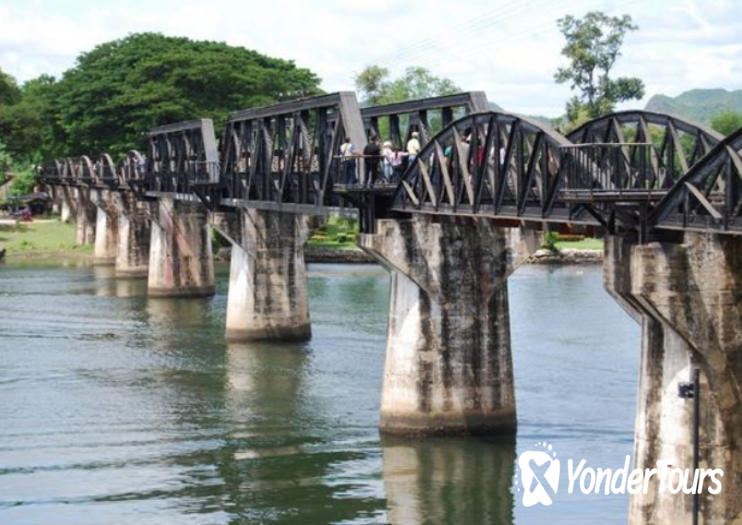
[614, 196]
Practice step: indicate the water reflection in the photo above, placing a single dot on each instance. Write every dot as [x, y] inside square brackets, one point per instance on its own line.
[136, 409]
[448, 480]
[176, 312]
[275, 464]
[107, 284]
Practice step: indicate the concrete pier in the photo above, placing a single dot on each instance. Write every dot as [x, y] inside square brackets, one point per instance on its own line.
[267, 278]
[180, 259]
[65, 210]
[687, 298]
[448, 365]
[106, 227]
[67, 203]
[55, 192]
[86, 215]
[134, 230]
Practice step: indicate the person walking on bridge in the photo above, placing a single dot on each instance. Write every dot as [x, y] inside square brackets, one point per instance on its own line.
[371, 154]
[348, 154]
[387, 153]
[413, 147]
[396, 161]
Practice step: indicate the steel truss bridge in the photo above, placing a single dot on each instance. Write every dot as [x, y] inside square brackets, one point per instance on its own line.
[630, 171]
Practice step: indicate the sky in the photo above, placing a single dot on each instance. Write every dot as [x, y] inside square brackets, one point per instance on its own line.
[508, 48]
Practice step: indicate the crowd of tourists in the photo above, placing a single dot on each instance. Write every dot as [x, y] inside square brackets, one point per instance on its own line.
[382, 163]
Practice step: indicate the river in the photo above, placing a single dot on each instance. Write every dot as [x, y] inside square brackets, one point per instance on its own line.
[116, 408]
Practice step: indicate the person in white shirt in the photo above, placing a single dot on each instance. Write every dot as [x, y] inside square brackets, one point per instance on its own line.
[413, 147]
[348, 154]
[387, 153]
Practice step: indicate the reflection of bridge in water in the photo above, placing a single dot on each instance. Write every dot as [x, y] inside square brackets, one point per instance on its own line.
[468, 211]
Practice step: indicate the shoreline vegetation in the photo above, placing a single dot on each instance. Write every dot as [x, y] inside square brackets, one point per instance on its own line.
[50, 242]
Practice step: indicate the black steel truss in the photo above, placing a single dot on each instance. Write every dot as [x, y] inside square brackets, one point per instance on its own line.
[490, 164]
[675, 144]
[628, 170]
[285, 155]
[426, 116]
[709, 196]
[180, 157]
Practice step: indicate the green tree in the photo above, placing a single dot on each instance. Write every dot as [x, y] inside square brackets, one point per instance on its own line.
[24, 180]
[24, 175]
[124, 87]
[6, 161]
[29, 126]
[593, 45]
[727, 122]
[9, 91]
[417, 82]
[370, 82]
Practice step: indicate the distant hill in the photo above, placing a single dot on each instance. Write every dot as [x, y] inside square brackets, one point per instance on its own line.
[698, 104]
[544, 121]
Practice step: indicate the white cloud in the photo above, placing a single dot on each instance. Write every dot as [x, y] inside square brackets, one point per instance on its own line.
[508, 48]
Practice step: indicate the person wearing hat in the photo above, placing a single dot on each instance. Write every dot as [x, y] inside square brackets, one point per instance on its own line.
[413, 147]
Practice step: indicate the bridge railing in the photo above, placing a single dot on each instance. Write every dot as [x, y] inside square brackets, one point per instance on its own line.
[609, 170]
[183, 178]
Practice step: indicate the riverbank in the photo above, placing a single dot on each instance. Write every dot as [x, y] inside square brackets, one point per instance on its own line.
[44, 242]
[52, 242]
[567, 256]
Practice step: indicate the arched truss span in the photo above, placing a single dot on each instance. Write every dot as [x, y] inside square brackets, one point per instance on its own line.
[105, 170]
[709, 196]
[131, 168]
[675, 144]
[491, 164]
[53, 172]
[80, 170]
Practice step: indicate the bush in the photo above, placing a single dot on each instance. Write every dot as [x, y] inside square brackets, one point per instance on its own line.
[5, 162]
[550, 240]
[24, 180]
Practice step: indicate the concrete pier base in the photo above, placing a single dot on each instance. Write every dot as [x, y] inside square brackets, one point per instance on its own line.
[106, 229]
[67, 203]
[267, 279]
[65, 210]
[56, 198]
[180, 258]
[448, 366]
[86, 216]
[134, 230]
[687, 298]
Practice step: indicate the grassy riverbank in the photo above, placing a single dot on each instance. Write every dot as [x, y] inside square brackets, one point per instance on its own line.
[587, 243]
[50, 241]
[42, 240]
[336, 233]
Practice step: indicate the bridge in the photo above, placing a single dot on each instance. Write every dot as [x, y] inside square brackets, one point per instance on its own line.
[472, 206]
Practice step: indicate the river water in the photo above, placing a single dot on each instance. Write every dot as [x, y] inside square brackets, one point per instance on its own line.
[116, 408]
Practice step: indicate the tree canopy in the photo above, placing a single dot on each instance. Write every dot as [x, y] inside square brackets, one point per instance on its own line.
[123, 87]
[727, 122]
[9, 92]
[593, 45]
[376, 88]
